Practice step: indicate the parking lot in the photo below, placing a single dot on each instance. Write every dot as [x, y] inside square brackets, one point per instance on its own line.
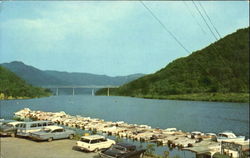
[25, 148]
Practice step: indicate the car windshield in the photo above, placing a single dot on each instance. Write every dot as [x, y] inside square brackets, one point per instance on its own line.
[45, 130]
[85, 140]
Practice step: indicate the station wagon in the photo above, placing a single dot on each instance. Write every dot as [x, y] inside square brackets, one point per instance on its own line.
[25, 128]
[94, 143]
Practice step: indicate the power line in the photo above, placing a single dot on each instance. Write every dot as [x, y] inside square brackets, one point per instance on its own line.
[204, 20]
[209, 18]
[192, 14]
[216, 51]
[230, 44]
[151, 12]
[164, 27]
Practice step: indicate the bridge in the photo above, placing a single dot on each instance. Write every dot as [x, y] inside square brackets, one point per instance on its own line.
[93, 87]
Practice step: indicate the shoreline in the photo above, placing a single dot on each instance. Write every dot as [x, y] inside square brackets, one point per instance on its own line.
[23, 98]
[210, 97]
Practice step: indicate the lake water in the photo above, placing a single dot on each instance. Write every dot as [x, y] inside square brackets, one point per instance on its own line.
[185, 115]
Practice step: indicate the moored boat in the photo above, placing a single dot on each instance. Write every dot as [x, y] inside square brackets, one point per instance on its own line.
[229, 136]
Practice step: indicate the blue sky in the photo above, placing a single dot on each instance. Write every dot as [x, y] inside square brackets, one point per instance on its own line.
[108, 37]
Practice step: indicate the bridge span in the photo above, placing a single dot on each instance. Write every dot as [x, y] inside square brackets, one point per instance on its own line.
[93, 87]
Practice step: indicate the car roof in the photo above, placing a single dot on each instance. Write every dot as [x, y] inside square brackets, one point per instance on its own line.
[126, 145]
[14, 123]
[53, 127]
[92, 137]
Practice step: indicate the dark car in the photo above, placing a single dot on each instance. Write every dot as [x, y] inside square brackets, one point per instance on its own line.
[122, 150]
[9, 128]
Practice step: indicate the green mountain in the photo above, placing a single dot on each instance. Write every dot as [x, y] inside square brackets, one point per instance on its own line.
[38, 77]
[209, 74]
[32, 75]
[13, 87]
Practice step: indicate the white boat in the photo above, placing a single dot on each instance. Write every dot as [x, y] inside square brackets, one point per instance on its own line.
[195, 135]
[169, 131]
[22, 113]
[229, 137]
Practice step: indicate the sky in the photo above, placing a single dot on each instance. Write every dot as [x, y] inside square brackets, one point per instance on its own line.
[113, 38]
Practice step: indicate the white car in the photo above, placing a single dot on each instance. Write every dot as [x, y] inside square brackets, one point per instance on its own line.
[94, 143]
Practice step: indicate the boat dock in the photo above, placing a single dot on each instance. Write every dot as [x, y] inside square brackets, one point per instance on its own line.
[198, 142]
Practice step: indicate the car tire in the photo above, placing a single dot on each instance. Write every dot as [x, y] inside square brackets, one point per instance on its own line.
[71, 136]
[50, 139]
[13, 135]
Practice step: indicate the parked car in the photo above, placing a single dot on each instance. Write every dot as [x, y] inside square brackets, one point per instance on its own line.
[3, 121]
[9, 128]
[25, 128]
[94, 143]
[122, 150]
[51, 133]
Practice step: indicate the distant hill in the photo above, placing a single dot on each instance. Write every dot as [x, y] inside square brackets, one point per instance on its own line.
[32, 75]
[92, 79]
[13, 87]
[38, 77]
[222, 67]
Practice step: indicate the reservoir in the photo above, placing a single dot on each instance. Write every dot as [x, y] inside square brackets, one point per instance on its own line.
[184, 115]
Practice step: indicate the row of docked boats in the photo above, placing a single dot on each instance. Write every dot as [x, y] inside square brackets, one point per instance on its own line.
[170, 136]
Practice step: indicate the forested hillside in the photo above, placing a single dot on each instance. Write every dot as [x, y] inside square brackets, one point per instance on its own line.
[11, 87]
[221, 68]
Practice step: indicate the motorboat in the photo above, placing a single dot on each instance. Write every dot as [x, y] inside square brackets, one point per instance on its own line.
[229, 137]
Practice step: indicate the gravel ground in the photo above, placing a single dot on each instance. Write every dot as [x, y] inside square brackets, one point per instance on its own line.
[25, 148]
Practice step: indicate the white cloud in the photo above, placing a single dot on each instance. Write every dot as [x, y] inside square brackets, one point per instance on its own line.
[62, 19]
[88, 19]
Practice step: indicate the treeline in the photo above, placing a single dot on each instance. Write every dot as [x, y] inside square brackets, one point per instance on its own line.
[220, 68]
[12, 87]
